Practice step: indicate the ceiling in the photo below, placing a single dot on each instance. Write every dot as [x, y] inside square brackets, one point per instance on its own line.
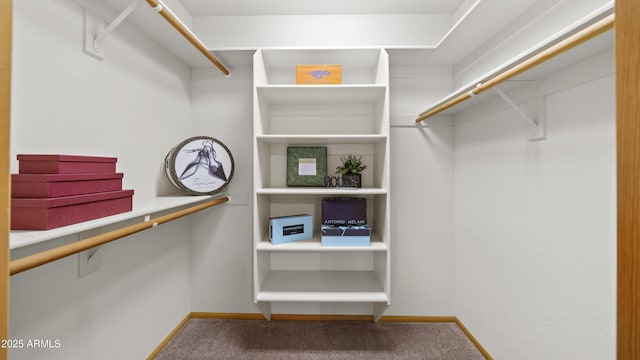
[314, 7]
[469, 23]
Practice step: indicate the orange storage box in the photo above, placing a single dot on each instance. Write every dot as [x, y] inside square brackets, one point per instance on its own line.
[318, 74]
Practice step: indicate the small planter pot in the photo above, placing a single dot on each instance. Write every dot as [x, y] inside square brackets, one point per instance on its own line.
[352, 180]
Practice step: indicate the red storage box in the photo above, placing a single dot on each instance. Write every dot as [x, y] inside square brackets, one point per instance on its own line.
[65, 164]
[45, 214]
[56, 185]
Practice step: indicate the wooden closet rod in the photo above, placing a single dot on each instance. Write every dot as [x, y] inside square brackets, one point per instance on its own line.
[29, 262]
[168, 15]
[572, 41]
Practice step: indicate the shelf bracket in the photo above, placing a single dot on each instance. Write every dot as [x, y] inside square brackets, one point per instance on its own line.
[95, 31]
[378, 310]
[536, 128]
[265, 309]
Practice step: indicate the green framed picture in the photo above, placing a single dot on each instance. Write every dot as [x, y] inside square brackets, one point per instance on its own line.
[306, 165]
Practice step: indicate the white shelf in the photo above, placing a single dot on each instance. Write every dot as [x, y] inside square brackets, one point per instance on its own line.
[322, 286]
[321, 191]
[321, 139]
[22, 238]
[314, 245]
[529, 78]
[321, 94]
[578, 53]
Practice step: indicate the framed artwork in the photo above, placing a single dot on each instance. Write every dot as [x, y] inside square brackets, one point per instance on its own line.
[306, 165]
[200, 165]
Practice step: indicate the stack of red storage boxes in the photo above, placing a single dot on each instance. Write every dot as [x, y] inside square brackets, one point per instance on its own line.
[51, 191]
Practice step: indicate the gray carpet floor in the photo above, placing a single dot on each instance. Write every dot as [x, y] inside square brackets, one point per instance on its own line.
[257, 339]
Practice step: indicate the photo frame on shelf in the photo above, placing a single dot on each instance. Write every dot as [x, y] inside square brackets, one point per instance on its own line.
[306, 166]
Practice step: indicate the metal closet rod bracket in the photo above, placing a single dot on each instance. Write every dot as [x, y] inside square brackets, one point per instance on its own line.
[95, 31]
[536, 122]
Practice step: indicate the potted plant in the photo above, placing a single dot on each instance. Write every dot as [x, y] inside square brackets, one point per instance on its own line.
[351, 170]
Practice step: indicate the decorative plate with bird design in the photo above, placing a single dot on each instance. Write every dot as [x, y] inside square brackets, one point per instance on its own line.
[200, 165]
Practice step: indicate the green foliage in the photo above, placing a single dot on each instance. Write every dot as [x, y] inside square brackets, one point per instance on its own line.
[351, 165]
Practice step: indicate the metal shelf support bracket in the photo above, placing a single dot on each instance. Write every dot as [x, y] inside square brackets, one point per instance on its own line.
[95, 31]
[536, 128]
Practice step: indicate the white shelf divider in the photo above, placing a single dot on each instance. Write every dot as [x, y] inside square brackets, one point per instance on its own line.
[321, 138]
[322, 286]
[314, 94]
[321, 191]
[314, 245]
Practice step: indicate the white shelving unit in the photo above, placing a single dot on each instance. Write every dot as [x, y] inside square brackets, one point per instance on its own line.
[350, 118]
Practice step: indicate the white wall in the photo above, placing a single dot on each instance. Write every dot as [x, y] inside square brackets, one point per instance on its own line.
[221, 245]
[535, 223]
[134, 105]
[122, 311]
[422, 272]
